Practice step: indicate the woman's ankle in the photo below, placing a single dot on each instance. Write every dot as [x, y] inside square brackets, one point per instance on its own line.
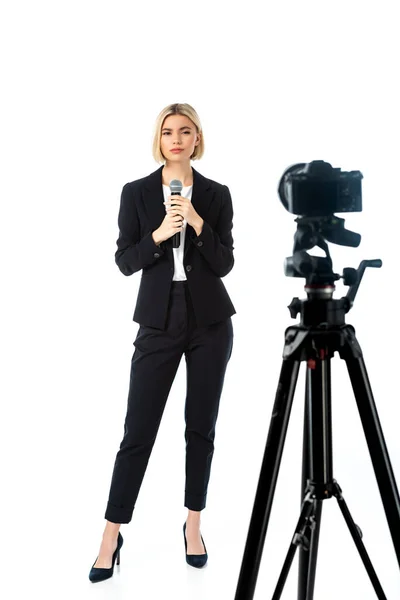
[193, 518]
[111, 530]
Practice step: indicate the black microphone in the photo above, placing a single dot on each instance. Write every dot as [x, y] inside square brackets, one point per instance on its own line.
[176, 188]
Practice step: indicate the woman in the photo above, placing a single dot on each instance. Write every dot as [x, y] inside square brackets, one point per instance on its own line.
[182, 308]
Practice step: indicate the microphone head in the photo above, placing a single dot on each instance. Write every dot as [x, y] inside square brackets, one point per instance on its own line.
[176, 186]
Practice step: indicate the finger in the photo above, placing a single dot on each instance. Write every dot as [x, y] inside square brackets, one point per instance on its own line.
[176, 199]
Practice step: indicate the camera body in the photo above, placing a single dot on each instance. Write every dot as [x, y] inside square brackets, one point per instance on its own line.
[316, 189]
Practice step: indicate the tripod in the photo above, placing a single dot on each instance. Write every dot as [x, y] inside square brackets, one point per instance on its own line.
[321, 333]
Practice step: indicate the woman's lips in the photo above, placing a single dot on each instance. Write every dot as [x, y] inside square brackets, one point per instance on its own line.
[176, 151]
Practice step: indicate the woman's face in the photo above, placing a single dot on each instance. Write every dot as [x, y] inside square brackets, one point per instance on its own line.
[178, 131]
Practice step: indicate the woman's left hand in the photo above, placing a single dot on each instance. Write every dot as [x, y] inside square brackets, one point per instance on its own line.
[183, 207]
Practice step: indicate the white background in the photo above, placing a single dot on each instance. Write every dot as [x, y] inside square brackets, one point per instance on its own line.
[274, 83]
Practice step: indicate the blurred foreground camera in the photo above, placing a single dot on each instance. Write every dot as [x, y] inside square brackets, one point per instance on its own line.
[318, 189]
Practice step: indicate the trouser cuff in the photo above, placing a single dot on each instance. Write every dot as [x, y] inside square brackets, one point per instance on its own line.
[194, 501]
[116, 514]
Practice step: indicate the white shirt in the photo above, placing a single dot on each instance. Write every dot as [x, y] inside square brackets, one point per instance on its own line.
[179, 271]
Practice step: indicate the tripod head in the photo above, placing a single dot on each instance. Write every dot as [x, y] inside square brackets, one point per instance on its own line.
[317, 190]
[320, 309]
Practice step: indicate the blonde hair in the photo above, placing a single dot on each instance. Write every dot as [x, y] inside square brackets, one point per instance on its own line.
[177, 109]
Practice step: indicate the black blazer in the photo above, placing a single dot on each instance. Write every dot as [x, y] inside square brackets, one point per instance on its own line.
[207, 257]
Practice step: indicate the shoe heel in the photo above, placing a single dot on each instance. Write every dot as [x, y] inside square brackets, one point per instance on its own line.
[118, 557]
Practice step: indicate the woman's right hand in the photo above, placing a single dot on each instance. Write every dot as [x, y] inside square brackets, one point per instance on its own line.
[171, 224]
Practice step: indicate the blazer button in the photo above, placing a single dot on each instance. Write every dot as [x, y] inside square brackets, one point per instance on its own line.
[156, 255]
[199, 243]
[188, 268]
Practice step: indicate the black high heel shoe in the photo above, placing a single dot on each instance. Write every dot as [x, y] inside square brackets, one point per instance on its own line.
[195, 560]
[98, 574]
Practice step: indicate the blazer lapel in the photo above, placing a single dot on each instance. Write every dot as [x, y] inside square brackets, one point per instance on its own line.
[154, 198]
[201, 198]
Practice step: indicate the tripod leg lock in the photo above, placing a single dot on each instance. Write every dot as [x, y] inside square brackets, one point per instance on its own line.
[300, 539]
[307, 522]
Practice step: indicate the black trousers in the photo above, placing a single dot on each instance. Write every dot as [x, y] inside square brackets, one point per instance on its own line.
[154, 365]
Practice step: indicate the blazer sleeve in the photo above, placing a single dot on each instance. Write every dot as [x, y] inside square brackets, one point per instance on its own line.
[216, 245]
[132, 252]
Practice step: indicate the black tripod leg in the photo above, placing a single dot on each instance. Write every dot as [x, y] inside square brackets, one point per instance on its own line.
[267, 480]
[306, 592]
[304, 554]
[317, 462]
[305, 476]
[355, 534]
[299, 539]
[374, 436]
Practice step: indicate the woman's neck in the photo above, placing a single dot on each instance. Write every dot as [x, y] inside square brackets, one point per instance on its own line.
[181, 172]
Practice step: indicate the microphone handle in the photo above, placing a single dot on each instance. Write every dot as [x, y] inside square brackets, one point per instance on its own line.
[176, 238]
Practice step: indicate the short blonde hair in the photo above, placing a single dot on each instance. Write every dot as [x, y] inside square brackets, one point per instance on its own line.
[177, 109]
